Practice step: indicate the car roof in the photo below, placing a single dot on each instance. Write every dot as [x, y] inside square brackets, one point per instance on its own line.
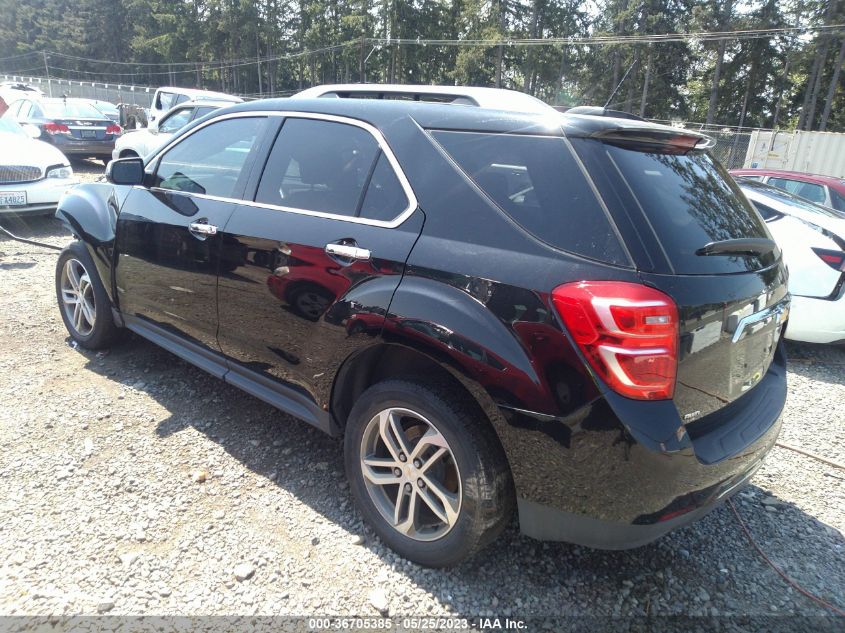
[196, 92]
[447, 116]
[217, 103]
[795, 175]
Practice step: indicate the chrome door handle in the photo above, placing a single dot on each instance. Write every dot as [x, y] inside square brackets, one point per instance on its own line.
[348, 252]
[202, 229]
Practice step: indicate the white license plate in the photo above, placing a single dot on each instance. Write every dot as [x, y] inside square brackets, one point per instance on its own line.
[12, 198]
[88, 134]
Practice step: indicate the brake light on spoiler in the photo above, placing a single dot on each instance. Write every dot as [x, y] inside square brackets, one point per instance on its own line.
[627, 331]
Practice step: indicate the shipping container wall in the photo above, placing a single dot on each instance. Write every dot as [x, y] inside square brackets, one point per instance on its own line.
[811, 152]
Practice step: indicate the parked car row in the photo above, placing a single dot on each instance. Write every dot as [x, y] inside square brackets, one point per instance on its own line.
[39, 133]
[80, 127]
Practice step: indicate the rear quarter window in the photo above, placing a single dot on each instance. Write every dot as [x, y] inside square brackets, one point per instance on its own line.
[538, 183]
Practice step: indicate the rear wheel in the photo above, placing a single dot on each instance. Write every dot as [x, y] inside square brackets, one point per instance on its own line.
[427, 472]
[83, 302]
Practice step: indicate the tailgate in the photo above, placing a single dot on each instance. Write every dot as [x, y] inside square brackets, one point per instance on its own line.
[730, 326]
[695, 237]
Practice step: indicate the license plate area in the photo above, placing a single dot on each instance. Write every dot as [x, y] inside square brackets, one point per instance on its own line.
[12, 198]
[88, 133]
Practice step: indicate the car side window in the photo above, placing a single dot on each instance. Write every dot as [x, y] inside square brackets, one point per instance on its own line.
[766, 211]
[385, 198]
[807, 190]
[319, 166]
[26, 107]
[175, 121]
[165, 100]
[14, 109]
[202, 111]
[211, 160]
[837, 199]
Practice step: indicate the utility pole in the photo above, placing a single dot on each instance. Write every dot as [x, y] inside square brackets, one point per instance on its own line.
[47, 70]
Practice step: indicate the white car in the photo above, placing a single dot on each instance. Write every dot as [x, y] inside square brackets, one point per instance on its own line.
[169, 97]
[144, 141]
[33, 174]
[812, 239]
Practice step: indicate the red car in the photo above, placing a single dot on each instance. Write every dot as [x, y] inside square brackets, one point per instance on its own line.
[826, 190]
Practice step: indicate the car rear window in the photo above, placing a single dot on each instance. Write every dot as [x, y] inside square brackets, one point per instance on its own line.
[686, 199]
[71, 109]
[537, 181]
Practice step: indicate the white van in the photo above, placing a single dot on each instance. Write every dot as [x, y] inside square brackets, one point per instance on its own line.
[165, 98]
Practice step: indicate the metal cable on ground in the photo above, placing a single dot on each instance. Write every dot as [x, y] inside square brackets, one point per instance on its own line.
[782, 574]
[824, 460]
[26, 241]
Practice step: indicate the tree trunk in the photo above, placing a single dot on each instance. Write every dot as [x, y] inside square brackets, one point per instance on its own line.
[713, 104]
[648, 63]
[817, 85]
[785, 82]
[528, 71]
[831, 91]
[500, 53]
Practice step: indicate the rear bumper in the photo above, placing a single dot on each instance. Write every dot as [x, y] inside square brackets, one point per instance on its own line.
[80, 147]
[599, 479]
[817, 320]
[549, 524]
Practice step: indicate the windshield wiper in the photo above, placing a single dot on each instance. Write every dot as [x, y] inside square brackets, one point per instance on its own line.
[742, 246]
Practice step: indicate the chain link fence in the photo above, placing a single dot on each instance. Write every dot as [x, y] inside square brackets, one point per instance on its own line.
[731, 146]
[113, 93]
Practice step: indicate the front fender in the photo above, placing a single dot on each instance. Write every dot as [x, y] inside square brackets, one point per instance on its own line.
[90, 212]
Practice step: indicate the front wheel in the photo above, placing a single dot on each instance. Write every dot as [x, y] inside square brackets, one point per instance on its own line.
[427, 471]
[83, 302]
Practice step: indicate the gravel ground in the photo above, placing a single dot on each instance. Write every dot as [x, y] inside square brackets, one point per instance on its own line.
[133, 483]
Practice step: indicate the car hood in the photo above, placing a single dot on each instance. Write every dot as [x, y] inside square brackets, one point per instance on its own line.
[19, 150]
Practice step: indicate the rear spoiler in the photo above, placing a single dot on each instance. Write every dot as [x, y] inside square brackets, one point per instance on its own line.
[665, 139]
[632, 131]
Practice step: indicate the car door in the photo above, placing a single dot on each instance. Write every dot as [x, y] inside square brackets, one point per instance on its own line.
[309, 268]
[168, 243]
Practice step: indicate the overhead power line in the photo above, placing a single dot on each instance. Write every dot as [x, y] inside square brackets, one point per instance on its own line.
[203, 65]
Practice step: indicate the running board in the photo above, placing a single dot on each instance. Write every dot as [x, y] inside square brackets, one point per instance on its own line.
[270, 391]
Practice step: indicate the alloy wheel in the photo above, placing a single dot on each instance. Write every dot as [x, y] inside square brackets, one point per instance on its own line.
[411, 474]
[78, 297]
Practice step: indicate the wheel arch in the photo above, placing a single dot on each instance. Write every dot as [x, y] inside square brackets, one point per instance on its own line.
[90, 213]
[384, 360]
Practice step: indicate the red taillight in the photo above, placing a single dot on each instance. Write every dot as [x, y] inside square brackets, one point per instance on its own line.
[55, 128]
[627, 331]
[834, 259]
[114, 129]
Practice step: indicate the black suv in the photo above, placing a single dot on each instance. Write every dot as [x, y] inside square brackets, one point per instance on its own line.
[577, 316]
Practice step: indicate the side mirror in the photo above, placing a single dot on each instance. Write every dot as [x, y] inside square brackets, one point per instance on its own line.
[125, 171]
[32, 131]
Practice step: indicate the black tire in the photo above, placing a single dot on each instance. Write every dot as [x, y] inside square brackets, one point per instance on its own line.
[105, 159]
[486, 490]
[104, 332]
